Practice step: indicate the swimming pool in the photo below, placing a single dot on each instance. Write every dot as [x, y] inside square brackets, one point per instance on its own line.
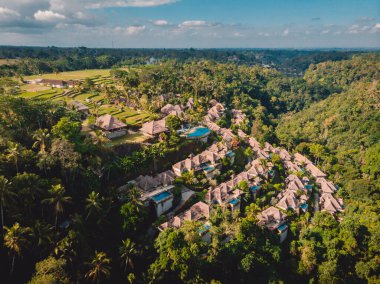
[282, 228]
[204, 229]
[304, 206]
[234, 201]
[208, 168]
[254, 188]
[198, 132]
[230, 154]
[161, 196]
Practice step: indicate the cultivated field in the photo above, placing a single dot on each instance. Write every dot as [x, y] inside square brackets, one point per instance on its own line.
[73, 75]
[94, 101]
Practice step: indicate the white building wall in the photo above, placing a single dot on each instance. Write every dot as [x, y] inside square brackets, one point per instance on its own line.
[164, 206]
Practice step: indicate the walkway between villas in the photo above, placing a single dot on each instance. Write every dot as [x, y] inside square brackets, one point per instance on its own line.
[316, 204]
[186, 195]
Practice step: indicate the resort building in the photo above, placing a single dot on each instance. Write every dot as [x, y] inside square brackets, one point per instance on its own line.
[221, 149]
[154, 127]
[274, 220]
[242, 135]
[224, 195]
[111, 126]
[213, 126]
[326, 186]
[207, 161]
[55, 83]
[155, 190]
[315, 172]
[291, 167]
[301, 160]
[238, 116]
[295, 196]
[227, 135]
[330, 204]
[190, 103]
[169, 109]
[294, 183]
[79, 107]
[198, 212]
[215, 112]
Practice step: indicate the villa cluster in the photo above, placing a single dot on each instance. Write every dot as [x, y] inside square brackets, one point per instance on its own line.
[295, 195]
[208, 161]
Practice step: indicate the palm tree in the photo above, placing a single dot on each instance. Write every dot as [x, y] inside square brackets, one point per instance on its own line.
[57, 199]
[41, 234]
[127, 250]
[15, 240]
[99, 267]
[13, 153]
[5, 195]
[94, 203]
[134, 195]
[42, 137]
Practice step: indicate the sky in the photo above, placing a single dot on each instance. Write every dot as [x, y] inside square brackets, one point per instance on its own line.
[191, 23]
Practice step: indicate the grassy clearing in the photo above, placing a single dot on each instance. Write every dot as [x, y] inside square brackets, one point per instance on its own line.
[129, 138]
[73, 75]
[8, 61]
[34, 88]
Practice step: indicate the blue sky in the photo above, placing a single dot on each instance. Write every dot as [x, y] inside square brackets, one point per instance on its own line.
[191, 23]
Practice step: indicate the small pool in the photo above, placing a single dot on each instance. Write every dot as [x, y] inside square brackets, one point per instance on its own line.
[204, 229]
[234, 201]
[208, 168]
[282, 228]
[309, 187]
[304, 206]
[198, 132]
[230, 154]
[254, 188]
[159, 197]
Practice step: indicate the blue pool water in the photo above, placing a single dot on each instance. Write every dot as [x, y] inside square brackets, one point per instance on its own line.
[161, 196]
[205, 228]
[234, 201]
[254, 188]
[283, 227]
[208, 168]
[230, 154]
[199, 132]
[309, 187]
[304, 206]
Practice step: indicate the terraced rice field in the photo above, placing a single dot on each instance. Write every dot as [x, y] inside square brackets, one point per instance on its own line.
[94, 101]
[73, 75]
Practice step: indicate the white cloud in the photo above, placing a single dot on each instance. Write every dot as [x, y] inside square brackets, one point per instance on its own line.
[193, 24]
[131, 30]
[130, 3]
[266, 34]
[160, 22]
[285, 32]
[325, 32]
[354, 29]
[6, 12]
[48, 16]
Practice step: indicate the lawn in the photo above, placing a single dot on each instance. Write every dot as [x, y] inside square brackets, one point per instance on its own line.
[136, 137]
